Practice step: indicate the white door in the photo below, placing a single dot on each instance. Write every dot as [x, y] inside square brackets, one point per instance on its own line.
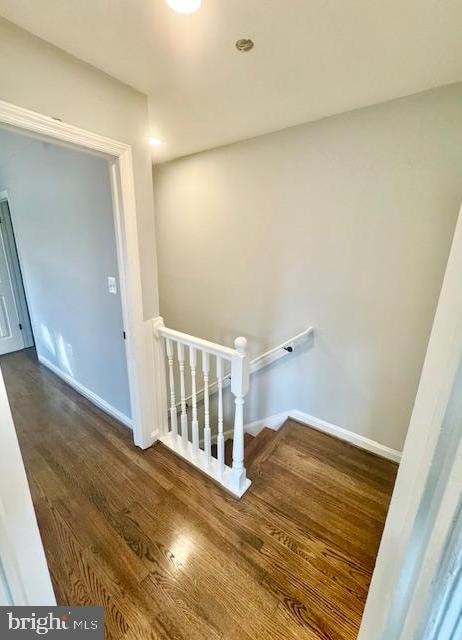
[11, 336]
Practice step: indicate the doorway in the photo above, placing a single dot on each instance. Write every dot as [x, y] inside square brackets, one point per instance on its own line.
[59, 203]
[144, 368]
[15, 327]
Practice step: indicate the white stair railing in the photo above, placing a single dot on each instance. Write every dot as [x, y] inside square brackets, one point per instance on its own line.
[183, 437]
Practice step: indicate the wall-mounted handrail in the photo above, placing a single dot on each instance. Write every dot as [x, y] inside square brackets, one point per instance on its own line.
[283, 349]
[263, 360]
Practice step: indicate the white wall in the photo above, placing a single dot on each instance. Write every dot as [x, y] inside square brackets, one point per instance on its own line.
[61, 207]
[344, 224]
[38, 76]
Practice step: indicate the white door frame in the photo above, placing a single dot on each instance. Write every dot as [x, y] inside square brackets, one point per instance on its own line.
[397, 599]
[144, 394]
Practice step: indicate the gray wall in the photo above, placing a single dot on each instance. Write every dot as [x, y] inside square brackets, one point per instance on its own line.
[344, 224]
[61, 207]
[41, 77]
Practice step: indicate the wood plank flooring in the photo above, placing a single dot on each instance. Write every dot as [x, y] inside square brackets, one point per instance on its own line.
[168, 554]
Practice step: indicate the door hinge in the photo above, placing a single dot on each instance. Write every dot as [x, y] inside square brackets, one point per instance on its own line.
[20, 326]
[124, 335]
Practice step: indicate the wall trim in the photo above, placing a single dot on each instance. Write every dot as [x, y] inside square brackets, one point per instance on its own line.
[276, 421]
[84, 391]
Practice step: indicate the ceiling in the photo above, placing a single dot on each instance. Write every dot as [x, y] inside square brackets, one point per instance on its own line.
[312, 58]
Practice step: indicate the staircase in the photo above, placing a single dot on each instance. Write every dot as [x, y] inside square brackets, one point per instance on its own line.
[257, 449]
[193, 371]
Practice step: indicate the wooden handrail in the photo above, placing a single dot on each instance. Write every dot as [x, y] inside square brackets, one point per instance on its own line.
[199, 343]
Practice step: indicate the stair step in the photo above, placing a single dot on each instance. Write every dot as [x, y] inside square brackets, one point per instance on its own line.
[258, 444]
[260, 450]
[229, 452]
[256, 449]
[229, 448]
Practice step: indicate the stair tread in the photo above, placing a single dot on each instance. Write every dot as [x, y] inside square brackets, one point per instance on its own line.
[248, 439]
[229, 448]
[260, 447]
[265, 435]
[256, 448]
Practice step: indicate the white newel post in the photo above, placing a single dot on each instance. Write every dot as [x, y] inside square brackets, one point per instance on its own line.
[239, 386]
[160, 374]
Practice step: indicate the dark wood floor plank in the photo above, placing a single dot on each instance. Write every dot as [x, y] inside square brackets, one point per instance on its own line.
[169, 554]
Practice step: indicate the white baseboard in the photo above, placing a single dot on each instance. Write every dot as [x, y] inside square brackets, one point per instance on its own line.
[89, 395]
[274, 422]
[277, 420]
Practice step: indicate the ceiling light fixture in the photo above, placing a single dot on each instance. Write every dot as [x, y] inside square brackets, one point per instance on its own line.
[184, 6]
[155, 142]
[245, 44]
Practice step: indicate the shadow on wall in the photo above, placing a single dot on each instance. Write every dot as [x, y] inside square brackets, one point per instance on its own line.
[60, 351]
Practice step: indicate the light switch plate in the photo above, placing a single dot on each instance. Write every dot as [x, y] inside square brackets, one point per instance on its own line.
[112, 285]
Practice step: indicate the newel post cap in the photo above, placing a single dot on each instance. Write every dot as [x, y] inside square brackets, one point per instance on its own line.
[157, 323]
[240, 344]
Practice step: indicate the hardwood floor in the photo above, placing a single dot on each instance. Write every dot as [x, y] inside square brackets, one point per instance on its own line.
[168, 554]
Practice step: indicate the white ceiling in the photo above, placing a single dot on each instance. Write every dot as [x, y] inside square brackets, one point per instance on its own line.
[312, 58]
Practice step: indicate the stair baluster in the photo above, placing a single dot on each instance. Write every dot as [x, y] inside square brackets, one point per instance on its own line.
[207, 438]
[195, 423]
[184, 415]
[171, 378]
[220, 438]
